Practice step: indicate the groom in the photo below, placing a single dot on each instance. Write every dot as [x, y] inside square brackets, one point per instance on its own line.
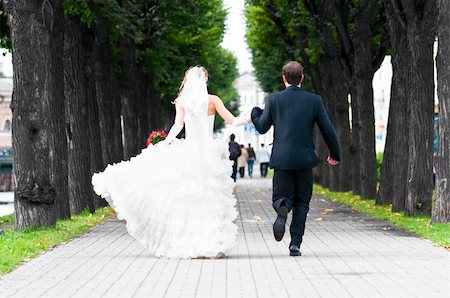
[293, 113]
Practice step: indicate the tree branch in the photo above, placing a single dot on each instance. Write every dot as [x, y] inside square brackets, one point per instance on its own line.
[342, 28]
[398, 10]
[270, 7]
[300, 31]
[379, 57]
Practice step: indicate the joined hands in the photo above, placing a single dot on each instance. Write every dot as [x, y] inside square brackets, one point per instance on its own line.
[332, 162]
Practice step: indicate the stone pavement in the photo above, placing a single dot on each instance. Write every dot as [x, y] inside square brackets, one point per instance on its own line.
[345, 254]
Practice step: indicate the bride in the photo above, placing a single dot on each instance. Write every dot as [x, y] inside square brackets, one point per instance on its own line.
[176, 196]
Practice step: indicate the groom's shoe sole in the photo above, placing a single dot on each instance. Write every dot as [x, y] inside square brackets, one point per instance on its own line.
[280, 223]
[294, 251]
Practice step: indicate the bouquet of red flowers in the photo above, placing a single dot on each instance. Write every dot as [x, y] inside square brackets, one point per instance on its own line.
[156, 136]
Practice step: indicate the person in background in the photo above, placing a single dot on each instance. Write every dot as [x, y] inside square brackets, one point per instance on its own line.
[251, 159]
[264, 159]
[235, 152]
[242, 161]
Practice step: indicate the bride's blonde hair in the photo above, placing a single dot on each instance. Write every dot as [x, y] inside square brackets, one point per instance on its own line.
[185, 76]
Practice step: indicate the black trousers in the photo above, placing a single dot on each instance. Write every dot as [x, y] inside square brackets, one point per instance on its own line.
[264, 166]
[293, 189]
[234, 172]
[242, 172]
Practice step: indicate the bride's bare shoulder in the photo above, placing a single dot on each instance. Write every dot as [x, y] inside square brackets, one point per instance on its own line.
[214, 98]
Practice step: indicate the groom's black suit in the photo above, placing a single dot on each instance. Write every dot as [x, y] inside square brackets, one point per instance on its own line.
[293, 113]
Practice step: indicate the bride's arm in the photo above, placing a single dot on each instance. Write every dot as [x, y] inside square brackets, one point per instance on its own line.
[177, 125]
[226, 114]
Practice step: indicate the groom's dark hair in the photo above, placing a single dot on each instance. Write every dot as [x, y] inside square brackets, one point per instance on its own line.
[293, 72]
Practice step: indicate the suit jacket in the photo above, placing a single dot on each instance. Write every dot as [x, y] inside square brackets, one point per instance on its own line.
[293, 113]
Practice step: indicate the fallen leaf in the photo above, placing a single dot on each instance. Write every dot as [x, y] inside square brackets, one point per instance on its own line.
[318, 219]
[257, 218]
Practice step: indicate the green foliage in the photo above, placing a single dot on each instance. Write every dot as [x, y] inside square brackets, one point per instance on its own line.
[420, 225]
[222, 66]
[184, 34]
[7, 219]
[17, 246]
[379, 163]
[266, 45]
[272, 39]
[5, 35]
[79, 8]
[170, 36]
[278, 30]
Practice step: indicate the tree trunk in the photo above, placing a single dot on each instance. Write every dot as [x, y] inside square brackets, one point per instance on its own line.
[344, 135]
[133, 95]
[331, 176]
[420, 165]
[355, 147]
[340, 176]
[95, 142]
[327, 71]
[130, 104]
[395, 158]
[39, 140]
[107, 98]
[142, 115]
[441, 207]
[420, 37]
[363, 76]
[153, 105]
[322, 149]
[80, 188]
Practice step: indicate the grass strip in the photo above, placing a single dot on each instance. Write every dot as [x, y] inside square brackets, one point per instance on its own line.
[19, 246]
[439, 233]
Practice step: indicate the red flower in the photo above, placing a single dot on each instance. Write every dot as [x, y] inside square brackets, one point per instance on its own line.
[156, 136]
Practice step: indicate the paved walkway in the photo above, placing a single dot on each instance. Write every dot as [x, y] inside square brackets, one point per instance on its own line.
[345, 254]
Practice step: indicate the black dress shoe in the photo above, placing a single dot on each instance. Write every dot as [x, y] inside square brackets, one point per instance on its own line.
[280, 223]
[294, 251]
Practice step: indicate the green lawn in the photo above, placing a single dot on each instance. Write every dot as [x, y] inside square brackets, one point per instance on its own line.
[420, 225]
[17, 246]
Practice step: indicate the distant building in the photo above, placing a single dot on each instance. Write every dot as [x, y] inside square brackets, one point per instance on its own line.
[6, 179]
[250, 95]
[381, 95]
[6, 89]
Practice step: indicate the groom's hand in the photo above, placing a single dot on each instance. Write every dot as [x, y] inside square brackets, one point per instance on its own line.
[256, 113]
[332, 162]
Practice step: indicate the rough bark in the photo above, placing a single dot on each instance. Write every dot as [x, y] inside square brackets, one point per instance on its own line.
[133, 97]
[344, 135]
[420, 27]
[129, 96]
[95, 142]
[441, 207]
[153, 105]
[80, 189]
[39, 139]
[355, 147]
[142, 116]
[363, 75]
[107, 97]
[395, 158]
[363, 49]
[336, 98]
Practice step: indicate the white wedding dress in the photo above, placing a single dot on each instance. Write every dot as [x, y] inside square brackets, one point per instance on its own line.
[177, 199]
